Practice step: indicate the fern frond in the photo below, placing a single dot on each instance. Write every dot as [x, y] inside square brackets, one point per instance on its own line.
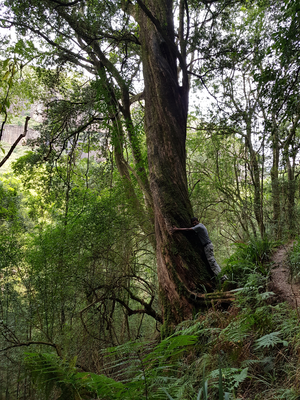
[236, 331]
[233, 377]
[250, 363]
[51, 373]
[270, 340]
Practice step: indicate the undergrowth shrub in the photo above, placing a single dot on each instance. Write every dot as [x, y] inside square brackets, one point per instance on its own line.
[249, 351]
[60, 379]
[248, 258]
[243, 352]
[172, 369]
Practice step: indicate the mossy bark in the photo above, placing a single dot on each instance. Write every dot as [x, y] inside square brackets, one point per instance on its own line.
[181, 269]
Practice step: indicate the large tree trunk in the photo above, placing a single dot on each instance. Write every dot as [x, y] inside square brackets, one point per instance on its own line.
[180, 268]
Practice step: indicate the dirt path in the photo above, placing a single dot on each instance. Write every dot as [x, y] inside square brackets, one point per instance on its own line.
[280, 278]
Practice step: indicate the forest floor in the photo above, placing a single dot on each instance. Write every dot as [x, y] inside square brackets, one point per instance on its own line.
[280, 277]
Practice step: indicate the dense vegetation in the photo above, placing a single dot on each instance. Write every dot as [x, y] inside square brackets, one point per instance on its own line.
[98, 299]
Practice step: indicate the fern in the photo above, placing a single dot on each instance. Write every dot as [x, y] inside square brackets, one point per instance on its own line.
[204, 389]
[156, 370]
[171, 370]
[50, 373]
[288, 394]
[233, 377]
[264, 361]
[236, 331]
[190, 327]
[172, 346]
[45, 372]
[270, 340]
[247, 259]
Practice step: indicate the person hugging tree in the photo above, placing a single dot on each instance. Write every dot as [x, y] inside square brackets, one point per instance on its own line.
[202, 233]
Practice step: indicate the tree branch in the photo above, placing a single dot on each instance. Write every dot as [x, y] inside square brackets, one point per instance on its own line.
[2, 125]
[74, 57]
[147, 310]
[171, 44]
[21, 344]
[15, 144]
[137, 97]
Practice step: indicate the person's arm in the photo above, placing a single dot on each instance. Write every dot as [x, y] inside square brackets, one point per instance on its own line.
[175, 229]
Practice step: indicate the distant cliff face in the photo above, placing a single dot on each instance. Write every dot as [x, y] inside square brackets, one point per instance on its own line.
[12, 132]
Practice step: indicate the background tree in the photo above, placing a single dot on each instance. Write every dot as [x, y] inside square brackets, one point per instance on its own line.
[245, 90]
[220, 189]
